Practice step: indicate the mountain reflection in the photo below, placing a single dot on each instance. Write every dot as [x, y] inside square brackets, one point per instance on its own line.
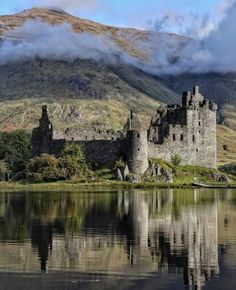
[126, 232]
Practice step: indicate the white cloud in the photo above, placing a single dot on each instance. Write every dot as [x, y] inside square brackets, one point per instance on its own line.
[214, 52]
[59, 42]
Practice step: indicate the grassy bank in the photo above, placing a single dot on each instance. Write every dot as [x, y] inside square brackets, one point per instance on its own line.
[69, 186]
[183, 178]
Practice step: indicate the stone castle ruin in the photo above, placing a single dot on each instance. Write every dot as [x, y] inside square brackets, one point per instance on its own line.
[188, 130]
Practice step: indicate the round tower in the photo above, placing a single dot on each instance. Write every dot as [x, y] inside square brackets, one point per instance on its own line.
[137, 153]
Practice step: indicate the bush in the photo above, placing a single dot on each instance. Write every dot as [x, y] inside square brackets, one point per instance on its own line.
[119, 164]
[73, 162]
[44, 168]
[133, 178]
[176, 160]
[71, 165]
[4, 171]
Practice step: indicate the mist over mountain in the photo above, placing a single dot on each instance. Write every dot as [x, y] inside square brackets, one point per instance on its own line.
[92, 74]
[53, 34]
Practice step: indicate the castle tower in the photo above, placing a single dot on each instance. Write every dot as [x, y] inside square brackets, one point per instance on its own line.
[188, 131]
[133, 122]
[137, 153]
[201, 130]
[43, 135]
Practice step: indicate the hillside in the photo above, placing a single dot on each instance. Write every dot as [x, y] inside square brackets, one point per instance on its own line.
[71, 87]
[226, 145]
[126, 38]
[89, 92]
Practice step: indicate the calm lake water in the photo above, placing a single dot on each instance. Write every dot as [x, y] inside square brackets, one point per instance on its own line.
[134, 239]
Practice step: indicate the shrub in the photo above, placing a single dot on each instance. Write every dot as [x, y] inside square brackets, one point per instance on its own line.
[119, 164]
[73, 162]
[176, 160]
[133, 178]
[44, 168]
[4, 171]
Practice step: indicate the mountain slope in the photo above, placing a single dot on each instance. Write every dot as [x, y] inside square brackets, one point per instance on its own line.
[126, 38]
[71, 85]
[74, 84]
[91, 93]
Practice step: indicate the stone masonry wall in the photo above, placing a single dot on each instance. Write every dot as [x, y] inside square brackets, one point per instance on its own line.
[88, 134]
[97, 152]
[194, 143]
[103, 152]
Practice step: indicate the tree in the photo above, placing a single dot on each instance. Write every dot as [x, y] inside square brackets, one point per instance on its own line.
[73, 161]
[70, 165]
[44, 168]
[4, 171]
[176, 160]
[15, 149]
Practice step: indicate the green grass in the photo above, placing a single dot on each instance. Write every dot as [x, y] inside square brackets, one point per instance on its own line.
[186, 174]
[183, 178]
[111, 185]
[66, 186]
[162, 163]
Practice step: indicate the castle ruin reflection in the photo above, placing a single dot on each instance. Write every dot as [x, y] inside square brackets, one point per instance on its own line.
[134, 232]
[189, 241]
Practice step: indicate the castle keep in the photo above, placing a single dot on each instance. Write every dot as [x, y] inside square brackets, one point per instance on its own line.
[188, 130]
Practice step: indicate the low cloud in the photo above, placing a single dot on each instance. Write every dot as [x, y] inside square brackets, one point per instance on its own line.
[212, 50]
[168, 54]
[191, 25]
[37, 39]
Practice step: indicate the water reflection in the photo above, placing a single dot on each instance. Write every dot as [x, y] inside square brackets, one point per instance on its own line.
[126, 233]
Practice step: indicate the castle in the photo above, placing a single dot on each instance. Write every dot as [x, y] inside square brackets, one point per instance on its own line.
[188, 130]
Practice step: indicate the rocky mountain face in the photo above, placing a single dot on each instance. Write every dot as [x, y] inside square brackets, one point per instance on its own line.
[94, 92]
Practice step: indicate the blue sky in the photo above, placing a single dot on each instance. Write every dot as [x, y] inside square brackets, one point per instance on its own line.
[125, 13]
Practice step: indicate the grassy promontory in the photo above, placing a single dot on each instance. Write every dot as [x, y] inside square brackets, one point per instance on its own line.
[110, 185]
[71, 186]
[184, 177]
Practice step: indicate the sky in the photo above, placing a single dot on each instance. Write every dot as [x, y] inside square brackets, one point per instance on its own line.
[173, 15]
